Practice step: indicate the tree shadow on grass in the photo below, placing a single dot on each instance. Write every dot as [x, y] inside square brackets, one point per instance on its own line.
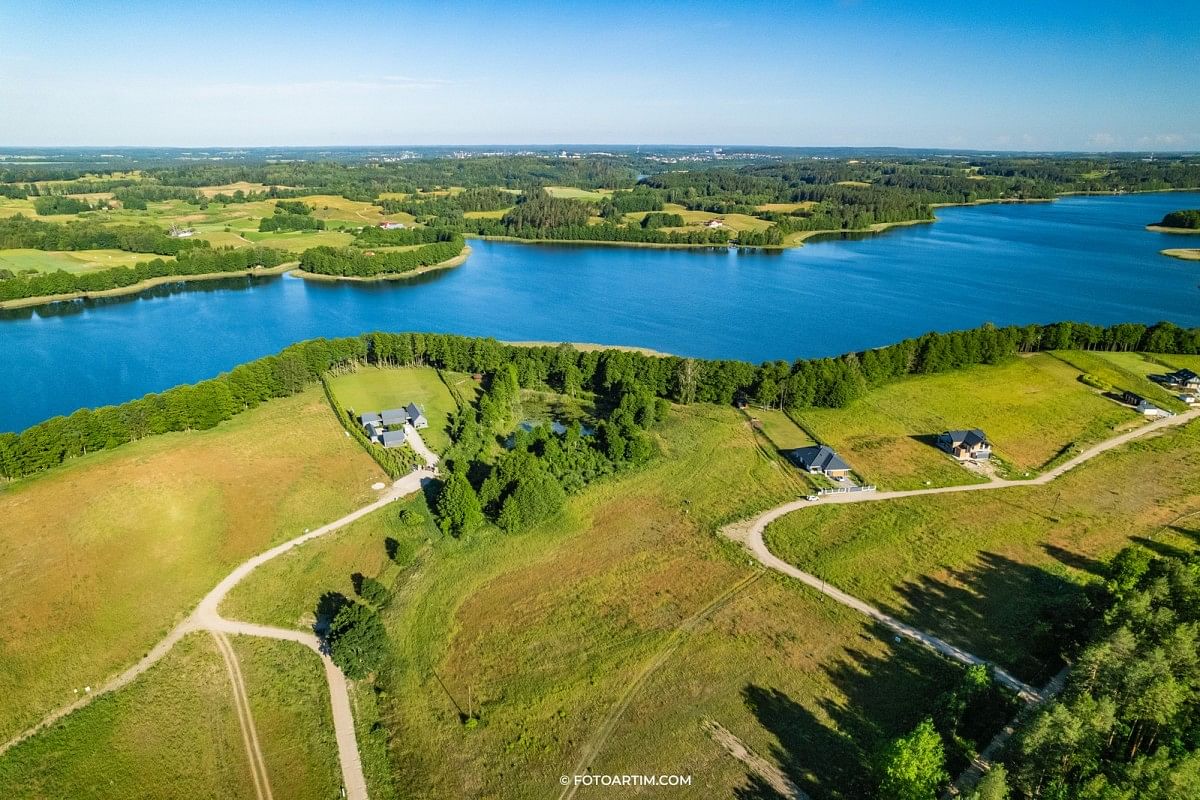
[1016, 615]
[1164, 549]
[879, 697]
[328, 606]
[1075, 560]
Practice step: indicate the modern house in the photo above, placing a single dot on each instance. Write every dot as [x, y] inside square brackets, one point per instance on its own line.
[967, 445]
[1142, 405]
[393, 438]
[1132, 398]
[821, 460]
[391, 225]
[1184, 379]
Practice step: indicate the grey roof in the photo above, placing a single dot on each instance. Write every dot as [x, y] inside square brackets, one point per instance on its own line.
[820, 457]
[392, 438]
[394, 416]
[967, 438]
[1182, 376]
[366, 419]
[413, 411]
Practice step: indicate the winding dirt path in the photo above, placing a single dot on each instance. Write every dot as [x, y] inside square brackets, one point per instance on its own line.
[750, 534]
[206, 617]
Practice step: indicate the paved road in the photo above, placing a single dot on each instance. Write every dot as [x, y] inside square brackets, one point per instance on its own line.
[750, 533]
[207, 616]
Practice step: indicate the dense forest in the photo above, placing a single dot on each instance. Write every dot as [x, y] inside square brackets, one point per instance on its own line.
[194, 261]
[1186, 218]
[828, 382]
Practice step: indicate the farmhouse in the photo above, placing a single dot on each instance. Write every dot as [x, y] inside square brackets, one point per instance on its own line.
[391, 225]
[821, 460]
[715, 223]
[966, 445]
[388, 427]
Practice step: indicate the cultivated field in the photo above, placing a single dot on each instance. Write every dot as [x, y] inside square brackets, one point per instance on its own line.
[1034, 409]
[105, 553]
[980, 568]
[375, 389]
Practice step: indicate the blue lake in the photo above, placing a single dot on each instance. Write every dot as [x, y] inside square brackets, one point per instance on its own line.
[1081, 258]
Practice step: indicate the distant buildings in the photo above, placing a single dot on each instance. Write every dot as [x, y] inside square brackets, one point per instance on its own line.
[387, 428]
[1142, 405]
[966, 445]
[177, 232]
[715, 223]
[392, 225]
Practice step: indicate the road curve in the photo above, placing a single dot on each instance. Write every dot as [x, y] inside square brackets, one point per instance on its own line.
[750, 534]
[206, 616]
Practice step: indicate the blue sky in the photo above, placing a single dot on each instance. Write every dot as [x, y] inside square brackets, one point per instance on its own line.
[1055, 75]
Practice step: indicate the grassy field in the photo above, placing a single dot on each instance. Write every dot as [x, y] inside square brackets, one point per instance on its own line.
[571, 193]
[375, 389]
[976, 568]
[70, 260]
[107, 552]
[1124, 372]
[174, 732]
[1033, 409]
[541, 634]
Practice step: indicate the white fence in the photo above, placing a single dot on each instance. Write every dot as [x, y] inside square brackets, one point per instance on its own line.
[846, 489]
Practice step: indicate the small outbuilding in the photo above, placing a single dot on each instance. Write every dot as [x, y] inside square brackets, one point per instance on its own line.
[821, 460]
[966, 445]
[391, 225]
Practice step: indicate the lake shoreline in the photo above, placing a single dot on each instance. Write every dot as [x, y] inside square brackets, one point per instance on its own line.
[449, 263]
[141, 286]
[1182, 253]
[1165, 229]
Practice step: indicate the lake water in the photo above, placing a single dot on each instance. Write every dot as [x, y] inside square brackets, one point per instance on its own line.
[1081, 258]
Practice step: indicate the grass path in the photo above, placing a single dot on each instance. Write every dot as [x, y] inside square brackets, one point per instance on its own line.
[258, 767]
[207, 617]
[601, 735]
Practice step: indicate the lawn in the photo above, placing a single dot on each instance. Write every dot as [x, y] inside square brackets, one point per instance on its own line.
[977, 568]
[299, 241]
[783, 432]
[376, 389]
[1034, 409]
[174, 732]
[541, 633]
[107, 552]
[70, 260]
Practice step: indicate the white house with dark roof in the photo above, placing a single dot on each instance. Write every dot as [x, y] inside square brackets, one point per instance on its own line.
[821, 460]
[966, 445]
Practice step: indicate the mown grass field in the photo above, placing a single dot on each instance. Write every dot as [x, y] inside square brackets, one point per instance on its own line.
[174, 732]
[1034, 409]
[376, 389]
[541, 633]
[107, 552]
[976, 567]
[572, 193]
[783, 432]
[70, 260]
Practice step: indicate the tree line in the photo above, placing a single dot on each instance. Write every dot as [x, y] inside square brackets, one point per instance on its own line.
[196, 261]
[354, 262]
[20, 231]
[291, 215]
[827, 382]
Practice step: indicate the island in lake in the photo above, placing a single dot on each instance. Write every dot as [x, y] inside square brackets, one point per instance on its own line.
[1185, 220]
